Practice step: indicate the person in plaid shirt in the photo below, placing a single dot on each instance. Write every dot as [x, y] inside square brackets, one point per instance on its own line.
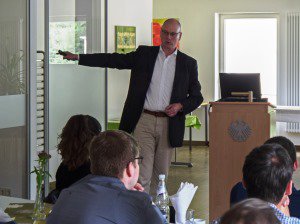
[249, 211]
[267, 175]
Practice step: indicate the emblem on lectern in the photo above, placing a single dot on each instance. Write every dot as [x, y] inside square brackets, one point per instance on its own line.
[239, 131]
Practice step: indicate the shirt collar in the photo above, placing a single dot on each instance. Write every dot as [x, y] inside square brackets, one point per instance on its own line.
[273, 206]
[277, 210]
[161, 51]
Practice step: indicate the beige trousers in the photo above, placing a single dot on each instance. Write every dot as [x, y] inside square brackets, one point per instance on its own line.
[152, 135]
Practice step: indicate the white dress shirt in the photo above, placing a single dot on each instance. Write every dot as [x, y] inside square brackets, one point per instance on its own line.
[159, 92]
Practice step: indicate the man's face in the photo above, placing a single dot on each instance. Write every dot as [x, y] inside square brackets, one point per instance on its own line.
[170, 35]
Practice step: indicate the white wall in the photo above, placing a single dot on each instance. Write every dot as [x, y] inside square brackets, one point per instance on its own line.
[197, 18]
[12, 9]
[136, 13]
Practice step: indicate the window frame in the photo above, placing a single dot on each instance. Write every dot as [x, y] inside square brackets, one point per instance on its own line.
[219, 43]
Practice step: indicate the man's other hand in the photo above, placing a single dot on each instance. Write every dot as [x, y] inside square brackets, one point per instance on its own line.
[173, 109]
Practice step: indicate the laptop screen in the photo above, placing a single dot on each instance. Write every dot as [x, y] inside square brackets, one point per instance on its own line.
[240, 82]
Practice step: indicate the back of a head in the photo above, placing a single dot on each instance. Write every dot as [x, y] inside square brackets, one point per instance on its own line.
[285, 143]
[75, 139]
[266, 172]
[93, 124]
[250, 211]
[111, 152]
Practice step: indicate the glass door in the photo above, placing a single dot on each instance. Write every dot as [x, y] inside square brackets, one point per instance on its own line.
[75, 26]
[13, 92]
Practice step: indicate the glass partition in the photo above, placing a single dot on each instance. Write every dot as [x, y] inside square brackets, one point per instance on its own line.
[13, 76]
[74, 26]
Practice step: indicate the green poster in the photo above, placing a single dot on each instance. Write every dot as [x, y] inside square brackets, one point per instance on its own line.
[125, 39]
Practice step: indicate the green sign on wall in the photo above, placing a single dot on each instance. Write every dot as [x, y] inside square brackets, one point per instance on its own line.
[125, 39]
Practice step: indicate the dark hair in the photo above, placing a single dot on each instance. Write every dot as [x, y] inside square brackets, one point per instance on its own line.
[285, 143]
[266, 172]
[75, 139]
[111, 152]
[250, 211]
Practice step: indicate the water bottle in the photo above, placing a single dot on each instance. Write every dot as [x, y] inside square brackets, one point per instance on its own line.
[162, 198]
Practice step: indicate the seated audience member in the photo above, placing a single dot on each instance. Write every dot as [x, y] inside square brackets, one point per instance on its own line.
[267, 175]
[238, 192]
[250, 211]
[110, 194]
[74, 149]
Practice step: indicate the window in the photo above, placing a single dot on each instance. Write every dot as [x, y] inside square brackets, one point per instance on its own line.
[66, 36]
[248, 44]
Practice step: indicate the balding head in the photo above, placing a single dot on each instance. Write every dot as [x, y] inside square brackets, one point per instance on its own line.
[172, 21]
[170, 35]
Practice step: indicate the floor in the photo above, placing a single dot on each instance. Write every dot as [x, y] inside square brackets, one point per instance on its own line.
[198, 175]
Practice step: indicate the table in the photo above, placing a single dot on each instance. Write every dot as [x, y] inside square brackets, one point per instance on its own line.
[20, 210]
[5, 201]
[113, 124]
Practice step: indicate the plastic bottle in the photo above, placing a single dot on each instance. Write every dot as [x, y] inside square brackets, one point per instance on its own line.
[162, 198]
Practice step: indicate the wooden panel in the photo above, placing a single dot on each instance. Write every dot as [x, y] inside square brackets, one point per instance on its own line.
[227, 156]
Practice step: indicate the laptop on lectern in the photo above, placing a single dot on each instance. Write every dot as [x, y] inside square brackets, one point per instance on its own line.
[240, 82]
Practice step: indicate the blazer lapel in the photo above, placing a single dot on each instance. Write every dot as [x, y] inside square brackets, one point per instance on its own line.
[178, 74]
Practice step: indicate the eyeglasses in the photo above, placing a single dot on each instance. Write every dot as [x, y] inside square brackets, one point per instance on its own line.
[166, 33]
[140, 159]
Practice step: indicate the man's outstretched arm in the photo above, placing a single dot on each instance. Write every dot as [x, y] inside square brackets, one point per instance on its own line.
[114, 60]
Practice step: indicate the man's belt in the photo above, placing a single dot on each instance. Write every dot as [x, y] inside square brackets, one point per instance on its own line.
[156, 113]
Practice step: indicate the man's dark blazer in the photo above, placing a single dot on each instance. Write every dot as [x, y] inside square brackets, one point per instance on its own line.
[186, 87]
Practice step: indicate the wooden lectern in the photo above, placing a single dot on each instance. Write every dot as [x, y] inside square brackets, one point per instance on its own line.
[235, 128]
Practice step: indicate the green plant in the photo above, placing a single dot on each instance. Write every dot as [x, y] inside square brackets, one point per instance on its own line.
[12, 80]
[41, 173]
[40, 170]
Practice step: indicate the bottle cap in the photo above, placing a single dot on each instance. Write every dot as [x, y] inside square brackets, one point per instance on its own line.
[162, 176]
